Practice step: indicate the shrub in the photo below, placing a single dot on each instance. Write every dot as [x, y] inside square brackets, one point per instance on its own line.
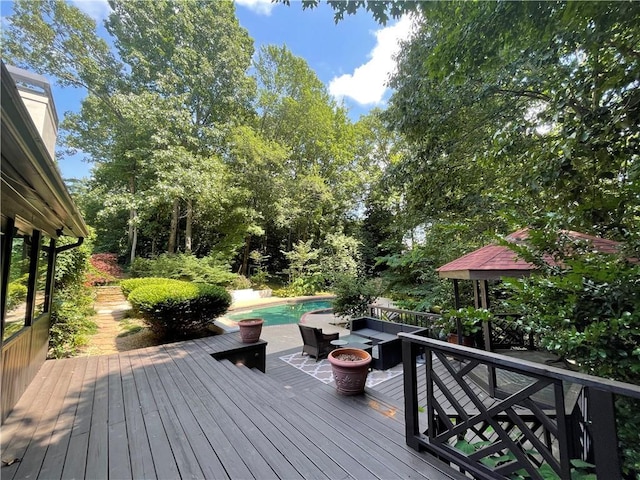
[175, 309]
[16, 294]
[71, 322]
[240, 282]
[131, 284]
[586, 307]
[184, 267]
[103, 269]
[354, 295]
[72, 305]
[301, 286]
[260, 280]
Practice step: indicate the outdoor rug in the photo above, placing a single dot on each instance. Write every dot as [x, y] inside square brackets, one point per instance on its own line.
[321, 370]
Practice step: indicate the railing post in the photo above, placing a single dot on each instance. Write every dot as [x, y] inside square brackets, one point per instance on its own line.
[410, 372]
[603, 433]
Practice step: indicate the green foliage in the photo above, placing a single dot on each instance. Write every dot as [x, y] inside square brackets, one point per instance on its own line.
[587, 310]
[16, 294]
[303, 260]
[628, 427]
[410, 273]
[240, 282]
[301, 286]
[339, 256]
[259, 276]
[19, 271]
[470, 319]
[71, 323]
[381, 11]
[73, 264]
[540, 115]
[354, 295]
[131, 284]
[175, 309]
[72, 304]
[184, 267]
[586, 307]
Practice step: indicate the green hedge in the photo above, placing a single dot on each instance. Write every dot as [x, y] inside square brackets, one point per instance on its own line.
[130, 285]
[174, 309]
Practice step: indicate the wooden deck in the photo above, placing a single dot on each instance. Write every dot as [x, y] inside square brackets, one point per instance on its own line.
[173, 411]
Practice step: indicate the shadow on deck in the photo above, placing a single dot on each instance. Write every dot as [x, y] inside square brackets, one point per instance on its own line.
[173, 411]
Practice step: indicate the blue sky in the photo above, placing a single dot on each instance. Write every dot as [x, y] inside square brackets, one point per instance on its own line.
[353, 58]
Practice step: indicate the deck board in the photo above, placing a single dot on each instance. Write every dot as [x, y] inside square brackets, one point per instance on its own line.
[173, 411]
[240, 410]
[186, 461]
[219, 434]
[229, 433]
[97, 459]
[25, 417]
[59, 443]
[138, 439]
[44, 430]
[76, 460]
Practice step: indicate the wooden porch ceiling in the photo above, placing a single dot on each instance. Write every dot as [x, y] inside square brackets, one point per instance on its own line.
[174, 412]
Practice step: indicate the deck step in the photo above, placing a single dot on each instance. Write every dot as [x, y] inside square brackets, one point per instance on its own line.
[384, 425]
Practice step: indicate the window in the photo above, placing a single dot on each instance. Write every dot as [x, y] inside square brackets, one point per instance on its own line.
[16, 315]
[41, 280]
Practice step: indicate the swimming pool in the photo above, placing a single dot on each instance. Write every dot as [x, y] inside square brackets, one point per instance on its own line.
[282, 314]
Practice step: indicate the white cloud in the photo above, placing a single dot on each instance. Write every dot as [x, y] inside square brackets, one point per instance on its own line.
[97, 9]
[367, 84]
[261, 7]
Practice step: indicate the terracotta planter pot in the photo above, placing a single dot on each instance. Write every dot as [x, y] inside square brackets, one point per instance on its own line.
[350, 375]
[250, 329]
[466, 341]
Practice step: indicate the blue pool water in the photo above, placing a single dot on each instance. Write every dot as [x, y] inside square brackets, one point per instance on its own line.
[282, 314]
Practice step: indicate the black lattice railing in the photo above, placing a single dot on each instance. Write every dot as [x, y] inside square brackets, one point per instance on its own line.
[409, 317]
[514, 437]
[506, 332]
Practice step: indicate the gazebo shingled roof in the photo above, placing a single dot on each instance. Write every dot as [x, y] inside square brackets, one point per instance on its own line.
[496, 261]
[493, 262]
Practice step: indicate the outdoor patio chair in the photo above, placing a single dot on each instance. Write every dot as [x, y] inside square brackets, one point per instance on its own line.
[316, 343]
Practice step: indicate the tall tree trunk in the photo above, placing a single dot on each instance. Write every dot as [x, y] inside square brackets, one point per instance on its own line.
[187, 231]
[134, 239]
[173, 229]
[245, 257]
[133, 217]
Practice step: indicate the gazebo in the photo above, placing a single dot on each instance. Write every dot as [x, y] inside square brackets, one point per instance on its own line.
[494, 261]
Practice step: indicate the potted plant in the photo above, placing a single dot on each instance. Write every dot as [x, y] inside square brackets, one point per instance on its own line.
[467, 321]
[250, 329]
[350, 369]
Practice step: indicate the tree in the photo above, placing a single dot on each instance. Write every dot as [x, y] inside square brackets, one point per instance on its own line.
[258, 165]
[382, 11]
[203, 69]
[195, 50]
[542, 113]
[156, 120]
[382, 228]
[321, 168]
[54, 38]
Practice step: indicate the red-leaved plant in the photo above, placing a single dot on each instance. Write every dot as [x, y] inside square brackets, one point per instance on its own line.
[104, 269]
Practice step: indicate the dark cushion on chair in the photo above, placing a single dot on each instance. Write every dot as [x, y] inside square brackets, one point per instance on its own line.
[316, 343]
